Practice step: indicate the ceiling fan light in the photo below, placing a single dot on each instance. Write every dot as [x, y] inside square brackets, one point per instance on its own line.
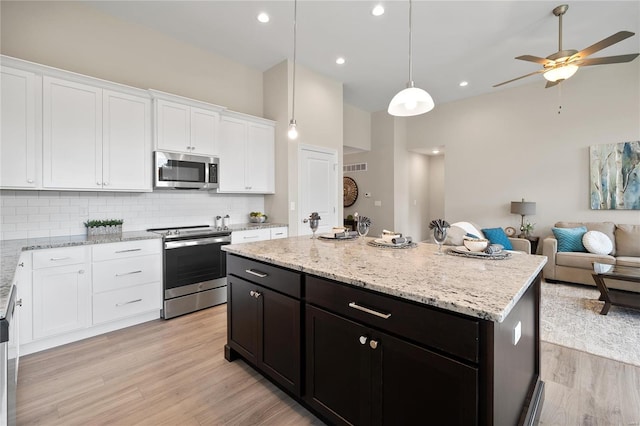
[410, 101]
[561, 73]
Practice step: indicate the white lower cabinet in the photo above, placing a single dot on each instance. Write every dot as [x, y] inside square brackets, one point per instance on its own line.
[61, 294]
[73, 293]
[259, 234]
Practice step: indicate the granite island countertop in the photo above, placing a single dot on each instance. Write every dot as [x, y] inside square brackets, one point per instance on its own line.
[486, 289]
[10, 251]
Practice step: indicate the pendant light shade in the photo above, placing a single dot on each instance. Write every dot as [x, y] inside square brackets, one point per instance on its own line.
[293, 130]
[412, 100]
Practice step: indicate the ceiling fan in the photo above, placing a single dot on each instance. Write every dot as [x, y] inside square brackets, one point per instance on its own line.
[564, 63]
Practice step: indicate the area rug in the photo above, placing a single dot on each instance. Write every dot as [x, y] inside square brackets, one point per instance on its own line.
[570, 316]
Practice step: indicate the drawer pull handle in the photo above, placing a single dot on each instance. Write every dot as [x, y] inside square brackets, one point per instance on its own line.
[128, 273]
[354, 305]
[129, 302]
[256, 273]
[250, 237]
[128, 250]
[55, 259]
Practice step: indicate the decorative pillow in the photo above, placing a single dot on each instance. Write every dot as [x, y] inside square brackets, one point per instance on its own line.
[497, 236]
[469, 228]
[628, 240]
[454, 236]
[597, 242]
[570, 239]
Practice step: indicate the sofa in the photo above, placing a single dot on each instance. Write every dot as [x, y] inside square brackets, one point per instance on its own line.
[459, 229]
[577, 266]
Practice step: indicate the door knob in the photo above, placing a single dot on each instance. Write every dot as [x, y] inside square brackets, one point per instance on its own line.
[363, 340]
[373, 344]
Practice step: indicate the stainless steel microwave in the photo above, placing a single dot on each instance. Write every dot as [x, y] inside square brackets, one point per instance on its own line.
[185, 171]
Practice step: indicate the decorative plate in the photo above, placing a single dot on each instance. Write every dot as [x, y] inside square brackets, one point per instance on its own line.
[510, 231]
[349, 191]
[381, 243]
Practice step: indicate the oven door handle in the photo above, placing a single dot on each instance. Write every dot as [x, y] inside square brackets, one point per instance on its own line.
[197, 242]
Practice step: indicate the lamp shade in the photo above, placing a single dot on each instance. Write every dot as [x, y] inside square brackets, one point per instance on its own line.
[524, 208]
[410, 101]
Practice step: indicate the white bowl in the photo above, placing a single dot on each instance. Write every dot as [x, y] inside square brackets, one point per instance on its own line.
[256, 219]
[476, 245]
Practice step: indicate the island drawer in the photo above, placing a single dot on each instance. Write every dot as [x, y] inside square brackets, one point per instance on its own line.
[282, 280]
[424, 325]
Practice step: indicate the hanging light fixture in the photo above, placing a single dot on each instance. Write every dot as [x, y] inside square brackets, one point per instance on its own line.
[293, 130]
[412, 100]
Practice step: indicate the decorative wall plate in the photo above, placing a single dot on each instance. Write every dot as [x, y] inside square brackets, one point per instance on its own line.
[349, 191]
[510, 231]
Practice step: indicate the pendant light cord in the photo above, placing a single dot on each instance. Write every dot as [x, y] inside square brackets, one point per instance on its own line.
[293, 100]
[410, 49]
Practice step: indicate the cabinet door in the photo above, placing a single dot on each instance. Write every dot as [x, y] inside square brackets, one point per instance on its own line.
[72, 135]
[243, 318]
[415, 384]
[338, 370]
[260, 167]
[173, 123]
[18, 137]
[233, 136]
[61, 300]
[279, 337]
[126, 142]
[204, 131]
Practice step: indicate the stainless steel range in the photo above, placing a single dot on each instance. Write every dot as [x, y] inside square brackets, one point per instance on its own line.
[195, 268]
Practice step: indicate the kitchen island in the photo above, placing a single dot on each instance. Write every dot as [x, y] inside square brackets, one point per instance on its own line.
[368, 335]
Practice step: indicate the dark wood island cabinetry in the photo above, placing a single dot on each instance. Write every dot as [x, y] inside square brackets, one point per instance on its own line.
[355, 355]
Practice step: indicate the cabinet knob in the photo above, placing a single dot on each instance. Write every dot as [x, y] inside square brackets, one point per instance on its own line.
[98, 183]
[21, 264]
[257, 295]
[252, 293]
[373, 344]
[29, 180]
[106, 183]
[363, 340]
[19, 302]
[81, 271]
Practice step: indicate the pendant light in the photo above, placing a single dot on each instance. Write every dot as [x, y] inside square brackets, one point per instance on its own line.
[293, 131]
[412, 100]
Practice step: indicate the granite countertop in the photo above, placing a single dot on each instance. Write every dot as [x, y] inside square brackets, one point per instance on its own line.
[10, 251]
[486, 289]
[251, 226]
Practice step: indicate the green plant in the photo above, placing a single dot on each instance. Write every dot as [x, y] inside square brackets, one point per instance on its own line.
[350, 217]
[256, 214]
[107, 222]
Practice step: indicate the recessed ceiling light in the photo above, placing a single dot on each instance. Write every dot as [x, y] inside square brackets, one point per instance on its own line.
[263, 17]
[340, 61]
[463, 83]
[377, 10]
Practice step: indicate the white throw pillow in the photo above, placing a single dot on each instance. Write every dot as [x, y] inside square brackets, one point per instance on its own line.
[469, 228]
[597, 242]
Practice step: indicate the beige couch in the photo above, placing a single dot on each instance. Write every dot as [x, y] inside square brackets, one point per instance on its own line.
[574, 267]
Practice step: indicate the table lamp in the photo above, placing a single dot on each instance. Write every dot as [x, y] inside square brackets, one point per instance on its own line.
[523, 208]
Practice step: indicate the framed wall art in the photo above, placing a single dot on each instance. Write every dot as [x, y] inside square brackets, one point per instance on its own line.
[615, 176]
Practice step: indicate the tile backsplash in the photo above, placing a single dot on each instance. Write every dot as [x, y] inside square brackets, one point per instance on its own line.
[31, 214]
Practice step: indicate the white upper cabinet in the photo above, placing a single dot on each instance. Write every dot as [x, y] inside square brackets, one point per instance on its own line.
[19, 140]
[186, 125]
[72, 138]
[247, 154]
[95, 138]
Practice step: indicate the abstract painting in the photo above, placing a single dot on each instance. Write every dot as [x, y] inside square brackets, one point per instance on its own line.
[615, 176]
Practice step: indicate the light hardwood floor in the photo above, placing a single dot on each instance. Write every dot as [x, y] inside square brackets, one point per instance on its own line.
[174, 373]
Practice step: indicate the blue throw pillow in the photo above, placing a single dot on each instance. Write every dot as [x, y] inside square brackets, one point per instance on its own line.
[570, 239]
[497, 236]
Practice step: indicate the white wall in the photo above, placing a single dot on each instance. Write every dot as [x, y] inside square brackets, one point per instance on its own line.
[435, 182]
[512, 144]
[29, 214]
[357, 129]
[76, 37]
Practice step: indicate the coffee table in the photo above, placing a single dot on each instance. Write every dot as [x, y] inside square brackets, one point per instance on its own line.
[612, 296]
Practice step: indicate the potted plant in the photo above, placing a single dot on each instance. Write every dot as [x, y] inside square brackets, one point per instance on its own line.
[103, 227]
[527, 229]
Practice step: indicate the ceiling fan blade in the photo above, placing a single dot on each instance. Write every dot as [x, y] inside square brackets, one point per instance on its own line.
[607, 60]
[617, 37]
[552, 83]
[536, 59]
[518, 78]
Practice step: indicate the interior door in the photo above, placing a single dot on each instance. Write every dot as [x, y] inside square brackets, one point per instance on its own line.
[317, 179]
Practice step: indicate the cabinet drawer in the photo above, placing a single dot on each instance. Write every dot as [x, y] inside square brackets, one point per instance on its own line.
[121, 273]
[127, 249]
[279, 279]
[279, 233]
[422, 324]
[251, 235]
[116, 304]
[59, 257]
